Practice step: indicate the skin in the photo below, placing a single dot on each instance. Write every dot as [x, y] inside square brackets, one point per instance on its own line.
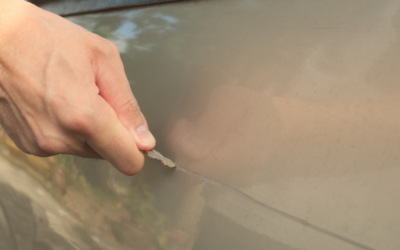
[63, 90]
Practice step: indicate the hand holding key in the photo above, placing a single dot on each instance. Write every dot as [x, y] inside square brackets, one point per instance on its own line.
[63, 90]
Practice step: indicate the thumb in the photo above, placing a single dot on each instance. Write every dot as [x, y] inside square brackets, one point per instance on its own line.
[112, 141]
[115, 90]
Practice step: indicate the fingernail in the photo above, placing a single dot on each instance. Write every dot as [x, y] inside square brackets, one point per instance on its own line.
[145, 136]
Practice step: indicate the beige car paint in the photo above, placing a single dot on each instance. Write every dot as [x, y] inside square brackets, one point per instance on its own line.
[282, 119]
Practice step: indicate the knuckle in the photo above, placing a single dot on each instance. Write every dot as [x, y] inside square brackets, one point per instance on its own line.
[43, 144]
[103, 48]
[34, 149]
[71, 118]
[47, 146]
[79, 123]
[132, 112]
[109, 49]
[114, 48]
[131, 106]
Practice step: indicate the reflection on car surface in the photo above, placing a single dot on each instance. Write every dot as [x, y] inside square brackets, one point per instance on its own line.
[280, 115]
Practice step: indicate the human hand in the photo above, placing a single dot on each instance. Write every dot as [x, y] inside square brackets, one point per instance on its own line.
[63, 90]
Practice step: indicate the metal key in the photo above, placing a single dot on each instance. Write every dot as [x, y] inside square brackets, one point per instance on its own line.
[154, 154]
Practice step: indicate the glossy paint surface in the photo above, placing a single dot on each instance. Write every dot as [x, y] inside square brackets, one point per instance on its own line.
[282, 117]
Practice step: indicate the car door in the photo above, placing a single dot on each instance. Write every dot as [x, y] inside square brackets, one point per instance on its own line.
[280, 115]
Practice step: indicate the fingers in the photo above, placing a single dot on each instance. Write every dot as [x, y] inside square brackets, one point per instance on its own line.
[79, 100]
[113, 142]
[84, 151]
[114, 88]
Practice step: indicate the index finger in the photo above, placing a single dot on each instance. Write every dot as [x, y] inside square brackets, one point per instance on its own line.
[115, 89]
[112, 140]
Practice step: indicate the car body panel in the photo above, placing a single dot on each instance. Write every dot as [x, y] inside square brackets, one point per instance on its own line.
[74, 7]
[280, 115]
